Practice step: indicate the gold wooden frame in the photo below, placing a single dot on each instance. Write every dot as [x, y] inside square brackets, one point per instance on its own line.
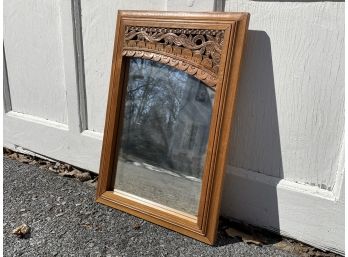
[217, 65]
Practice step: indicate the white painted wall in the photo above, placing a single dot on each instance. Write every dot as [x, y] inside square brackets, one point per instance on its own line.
[292, 91]
[32, 29]
[286, 162]
[285, 171]
[98, 31]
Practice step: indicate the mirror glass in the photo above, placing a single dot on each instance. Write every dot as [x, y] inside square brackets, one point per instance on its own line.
[166, 120]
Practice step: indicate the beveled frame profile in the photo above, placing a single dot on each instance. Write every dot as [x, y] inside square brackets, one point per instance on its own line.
[207, 46]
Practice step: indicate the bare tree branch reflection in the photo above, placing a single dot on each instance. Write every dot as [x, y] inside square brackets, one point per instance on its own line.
[166, 119]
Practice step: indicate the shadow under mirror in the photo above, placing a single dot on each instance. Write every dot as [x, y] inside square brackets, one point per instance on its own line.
[166, 120]
[255, 165]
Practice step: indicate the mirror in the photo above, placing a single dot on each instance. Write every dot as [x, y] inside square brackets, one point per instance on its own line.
[170, 106]
[165, 130]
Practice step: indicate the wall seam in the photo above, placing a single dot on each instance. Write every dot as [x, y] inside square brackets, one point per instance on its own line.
[79, 64]
[6, 87]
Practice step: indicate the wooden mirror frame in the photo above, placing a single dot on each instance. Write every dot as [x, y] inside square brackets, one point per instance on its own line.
[226, 35]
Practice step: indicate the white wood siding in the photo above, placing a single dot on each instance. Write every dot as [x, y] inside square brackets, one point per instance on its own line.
[286, 161]
[285, 171]
[98, 30]
[34, 27]
[290, 120]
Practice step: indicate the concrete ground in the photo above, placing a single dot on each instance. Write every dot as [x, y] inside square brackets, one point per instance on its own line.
[66, 221]
[159, 185]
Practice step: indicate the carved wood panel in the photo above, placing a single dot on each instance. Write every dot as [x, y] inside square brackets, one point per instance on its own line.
[195, 51]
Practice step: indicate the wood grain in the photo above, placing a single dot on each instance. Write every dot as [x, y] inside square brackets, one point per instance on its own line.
[233, 27]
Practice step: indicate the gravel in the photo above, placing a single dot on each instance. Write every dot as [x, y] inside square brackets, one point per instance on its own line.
[66, 221]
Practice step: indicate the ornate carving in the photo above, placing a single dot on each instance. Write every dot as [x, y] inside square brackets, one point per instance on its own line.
[197, 52]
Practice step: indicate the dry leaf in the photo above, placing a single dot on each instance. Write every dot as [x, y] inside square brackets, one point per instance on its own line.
[70, 174]
[136, 226]
[87, 225]
[13, 156]
[285, 246]
[24, 159]
[82, 176]
[66, 167]
[91, 183]
[22, 230]
[249, 239]
[85, 176]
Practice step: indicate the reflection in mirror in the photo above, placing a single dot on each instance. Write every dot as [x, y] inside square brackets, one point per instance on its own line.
[164, 137]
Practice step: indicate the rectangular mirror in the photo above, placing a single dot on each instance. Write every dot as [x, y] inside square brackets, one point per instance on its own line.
[164, 136]
[171, 97]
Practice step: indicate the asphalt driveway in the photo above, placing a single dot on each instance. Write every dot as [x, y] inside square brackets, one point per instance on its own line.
[66, 221]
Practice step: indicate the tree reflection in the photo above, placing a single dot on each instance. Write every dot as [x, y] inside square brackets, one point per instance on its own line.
[166, 119]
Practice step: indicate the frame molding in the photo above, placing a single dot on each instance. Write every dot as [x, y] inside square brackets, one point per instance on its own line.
[234, 27]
